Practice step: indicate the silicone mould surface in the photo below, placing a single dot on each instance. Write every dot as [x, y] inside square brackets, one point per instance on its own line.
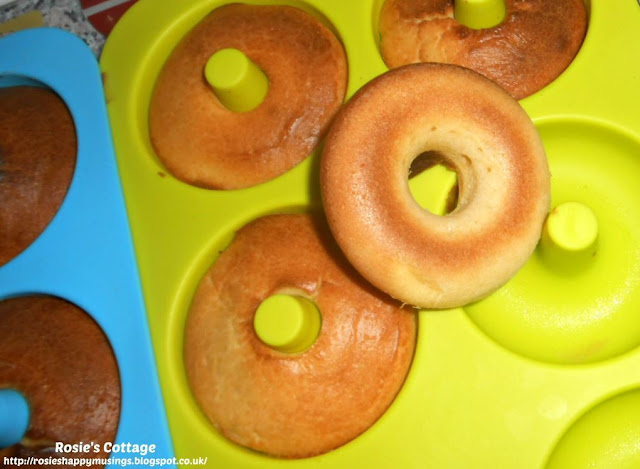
[496, 384]
[85, 255]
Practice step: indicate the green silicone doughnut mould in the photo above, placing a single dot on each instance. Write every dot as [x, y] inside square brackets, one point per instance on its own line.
[544, 373]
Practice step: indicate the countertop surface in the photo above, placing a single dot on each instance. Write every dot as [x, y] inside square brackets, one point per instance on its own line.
[65, 14]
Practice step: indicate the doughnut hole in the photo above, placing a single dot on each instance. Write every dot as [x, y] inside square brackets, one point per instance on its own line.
[476, 14]
[236, 80]
[479, 14]
[433, 183]
[14, 409]
[287, 322]
[607, 436]
[38, 151]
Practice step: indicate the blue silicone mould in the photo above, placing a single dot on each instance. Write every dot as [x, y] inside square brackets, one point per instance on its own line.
[85, 255]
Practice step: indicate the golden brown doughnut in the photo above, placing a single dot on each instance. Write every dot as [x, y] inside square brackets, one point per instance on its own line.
[59, 359]
[294, 405]
[534, 43]
[203, 143]
[37, 161]
[478, 129]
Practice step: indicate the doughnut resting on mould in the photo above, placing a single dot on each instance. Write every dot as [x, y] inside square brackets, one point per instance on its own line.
[37, 160]
[203, 143]
[476, 128]
[532, 46]
[59, 359]
[294, 405]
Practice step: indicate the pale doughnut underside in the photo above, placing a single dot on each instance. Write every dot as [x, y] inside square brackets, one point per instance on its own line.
[417, 257]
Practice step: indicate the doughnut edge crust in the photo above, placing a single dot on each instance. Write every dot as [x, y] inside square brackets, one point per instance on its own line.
[302, 404]
[530, 48]
[204, 144]
[417, 257]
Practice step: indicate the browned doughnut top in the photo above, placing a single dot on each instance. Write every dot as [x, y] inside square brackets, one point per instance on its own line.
[59, 359]
[535, 42]
[37, 160]
[294, 405]
[474, 126]
[203, 143]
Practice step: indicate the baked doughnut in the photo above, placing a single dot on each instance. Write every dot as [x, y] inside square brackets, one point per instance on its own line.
[534, 43]
[59, 359]
[37, 161]
[203, 143]
[301, 404]
[476, 128]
